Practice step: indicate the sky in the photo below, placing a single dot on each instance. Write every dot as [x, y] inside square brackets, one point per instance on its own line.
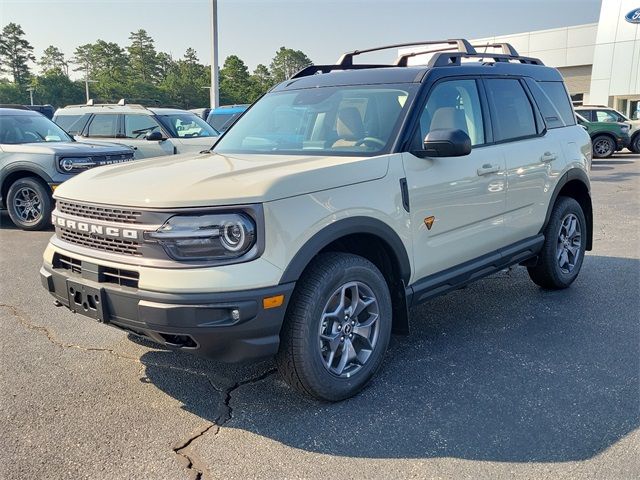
[255, 29]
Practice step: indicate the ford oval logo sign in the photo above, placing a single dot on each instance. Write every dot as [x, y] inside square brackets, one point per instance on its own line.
[633, 16]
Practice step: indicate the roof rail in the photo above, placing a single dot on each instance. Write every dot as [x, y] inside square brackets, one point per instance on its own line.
[507, 48]
[346, 60]
[450, 55]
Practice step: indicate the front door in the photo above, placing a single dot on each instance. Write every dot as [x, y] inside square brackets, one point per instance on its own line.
[457, 203]
[136, 127]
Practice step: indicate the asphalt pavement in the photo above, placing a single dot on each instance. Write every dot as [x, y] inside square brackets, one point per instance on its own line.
[498, 380]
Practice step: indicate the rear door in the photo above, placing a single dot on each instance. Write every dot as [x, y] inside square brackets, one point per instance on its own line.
[533, 155]
[457, 203]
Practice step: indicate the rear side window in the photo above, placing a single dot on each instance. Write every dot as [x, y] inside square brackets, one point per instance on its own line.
[587, 114]
[103, 126]
[512, 113]
[560, 99]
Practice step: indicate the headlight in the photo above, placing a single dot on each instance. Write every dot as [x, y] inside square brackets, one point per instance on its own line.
[206, 237]
[75, 164]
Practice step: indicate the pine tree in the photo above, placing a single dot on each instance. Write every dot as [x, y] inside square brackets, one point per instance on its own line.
[15, 53]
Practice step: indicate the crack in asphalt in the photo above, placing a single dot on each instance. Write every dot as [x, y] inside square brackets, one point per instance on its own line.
[22, 319]
[225, 414]
[181, 450]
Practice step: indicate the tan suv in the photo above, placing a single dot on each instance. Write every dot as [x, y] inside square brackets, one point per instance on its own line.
[344, 196]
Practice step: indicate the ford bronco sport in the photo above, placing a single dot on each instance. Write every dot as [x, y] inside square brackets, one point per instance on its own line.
[346, 195]
[36, 156]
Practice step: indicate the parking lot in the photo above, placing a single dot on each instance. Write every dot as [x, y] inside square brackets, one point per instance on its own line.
[499, 379]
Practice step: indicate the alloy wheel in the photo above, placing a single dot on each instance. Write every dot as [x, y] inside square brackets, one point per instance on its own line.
[603, 147]
[349, 327]
[569, 242]
[28, 205]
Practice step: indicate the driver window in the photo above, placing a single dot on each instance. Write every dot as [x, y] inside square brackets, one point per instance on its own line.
[137, 126]
[454, 104]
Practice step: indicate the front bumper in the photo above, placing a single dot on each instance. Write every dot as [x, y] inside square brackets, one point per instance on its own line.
[622, 142]
[227, 326]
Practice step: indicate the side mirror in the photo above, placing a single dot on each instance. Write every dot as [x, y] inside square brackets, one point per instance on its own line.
[154, 136]
[445, 142]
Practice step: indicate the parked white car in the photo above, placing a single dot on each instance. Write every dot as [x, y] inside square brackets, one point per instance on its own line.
[151, 132]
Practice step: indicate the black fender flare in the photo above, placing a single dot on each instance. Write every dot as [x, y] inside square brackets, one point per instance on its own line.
[22, 167]
[342, 228]
[574, 174]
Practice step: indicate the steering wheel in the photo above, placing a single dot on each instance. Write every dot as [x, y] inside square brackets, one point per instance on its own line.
[371, 140]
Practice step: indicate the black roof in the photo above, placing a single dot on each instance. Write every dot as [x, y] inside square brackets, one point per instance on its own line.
[447, 60]
[17, 110]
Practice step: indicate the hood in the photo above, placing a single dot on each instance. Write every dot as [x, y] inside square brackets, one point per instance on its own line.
[67, 148]
[213, 179]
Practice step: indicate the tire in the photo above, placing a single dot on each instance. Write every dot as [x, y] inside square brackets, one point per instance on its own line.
[634, 146]
[30, 204]
[315, 327]
[555, 270]
[603, 146]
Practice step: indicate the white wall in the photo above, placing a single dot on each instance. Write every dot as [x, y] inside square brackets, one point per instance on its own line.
[616, 61]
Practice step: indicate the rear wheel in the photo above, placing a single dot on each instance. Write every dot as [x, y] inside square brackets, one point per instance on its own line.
[30, 204]
[337, 328]
[603, 146]
[562, 254]
[634, 146]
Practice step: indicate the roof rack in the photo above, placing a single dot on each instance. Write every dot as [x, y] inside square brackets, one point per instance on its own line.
[452, 54]
[121, 103]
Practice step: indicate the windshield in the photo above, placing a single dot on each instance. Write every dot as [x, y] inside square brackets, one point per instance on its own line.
[15, 129]
[347, 120]
[187, 125]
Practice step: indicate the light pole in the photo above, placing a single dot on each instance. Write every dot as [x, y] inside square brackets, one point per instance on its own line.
[30, 90]
[87, 81]
[214, 94]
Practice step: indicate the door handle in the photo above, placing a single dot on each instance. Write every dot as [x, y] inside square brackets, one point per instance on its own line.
[488, 169]
[548, 157]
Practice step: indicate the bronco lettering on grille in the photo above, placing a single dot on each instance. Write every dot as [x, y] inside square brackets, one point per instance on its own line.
[95, 230]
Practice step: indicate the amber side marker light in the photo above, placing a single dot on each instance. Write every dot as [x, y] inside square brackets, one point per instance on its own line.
[272, 302]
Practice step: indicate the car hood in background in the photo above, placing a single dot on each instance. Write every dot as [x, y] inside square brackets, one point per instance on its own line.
[67, 148]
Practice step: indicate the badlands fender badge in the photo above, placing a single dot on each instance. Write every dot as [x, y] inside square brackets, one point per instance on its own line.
[429, 221]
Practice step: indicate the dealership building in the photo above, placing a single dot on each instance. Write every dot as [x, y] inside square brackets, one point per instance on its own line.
[600, 62]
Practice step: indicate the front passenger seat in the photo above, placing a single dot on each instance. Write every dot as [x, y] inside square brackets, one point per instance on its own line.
[349, 127]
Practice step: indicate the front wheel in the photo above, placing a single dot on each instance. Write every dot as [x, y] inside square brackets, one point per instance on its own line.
[634, 146]
[30, 204]
[563, 250]
[337, 328]
[603, 146]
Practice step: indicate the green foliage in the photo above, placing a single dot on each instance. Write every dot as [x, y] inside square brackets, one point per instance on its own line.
[138, 73]
[143, 59]
[15, 53]
[53, 60]
[287, 62]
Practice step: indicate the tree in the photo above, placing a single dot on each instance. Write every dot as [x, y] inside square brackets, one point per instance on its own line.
[165, 65]
[16, 53]
[52, 60]
[56, 88]
[143, 58]
[84, 58]
[287, 62]
[261, 80]
[185, 84]
[235, 82]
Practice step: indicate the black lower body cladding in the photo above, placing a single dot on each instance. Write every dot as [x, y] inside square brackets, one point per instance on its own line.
[226, 326]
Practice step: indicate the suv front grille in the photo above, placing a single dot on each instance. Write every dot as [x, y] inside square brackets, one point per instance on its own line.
[114, 245]
[117, 276]
[94, 212]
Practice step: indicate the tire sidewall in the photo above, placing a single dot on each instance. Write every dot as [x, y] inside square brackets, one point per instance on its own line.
[336, 387]
[635, 144]
[564, 207]
[45, 198]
